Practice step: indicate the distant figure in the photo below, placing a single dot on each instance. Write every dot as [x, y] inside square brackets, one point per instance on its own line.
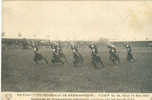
[113, 54]
[16, 44]
[4, 48]
[130, 56]
[96, 60]
[78, 59]
[24, 44]
[38, 56]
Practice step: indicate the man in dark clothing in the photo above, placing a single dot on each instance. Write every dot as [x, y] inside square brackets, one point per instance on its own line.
[113, 54]
[130, 57]
[56, 55]
[96, 60]
[61, 53]
[76, 55]
[94, 49]
[38, 56]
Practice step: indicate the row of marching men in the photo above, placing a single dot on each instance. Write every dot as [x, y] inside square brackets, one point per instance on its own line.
[58, 55]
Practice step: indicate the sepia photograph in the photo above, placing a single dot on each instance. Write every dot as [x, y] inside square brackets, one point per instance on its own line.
[76, 46]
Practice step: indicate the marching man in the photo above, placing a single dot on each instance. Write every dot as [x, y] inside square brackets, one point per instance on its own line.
[38, 56]
[76, 55]
[114, 56]
[96, 60]
[130, 56]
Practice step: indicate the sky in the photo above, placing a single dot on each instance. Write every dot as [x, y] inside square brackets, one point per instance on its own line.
[78, 20]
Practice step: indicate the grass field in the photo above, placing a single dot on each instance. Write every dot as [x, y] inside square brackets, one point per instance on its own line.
[19, 73]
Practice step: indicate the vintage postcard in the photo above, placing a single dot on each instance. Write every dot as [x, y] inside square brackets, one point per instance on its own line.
[76, 50]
